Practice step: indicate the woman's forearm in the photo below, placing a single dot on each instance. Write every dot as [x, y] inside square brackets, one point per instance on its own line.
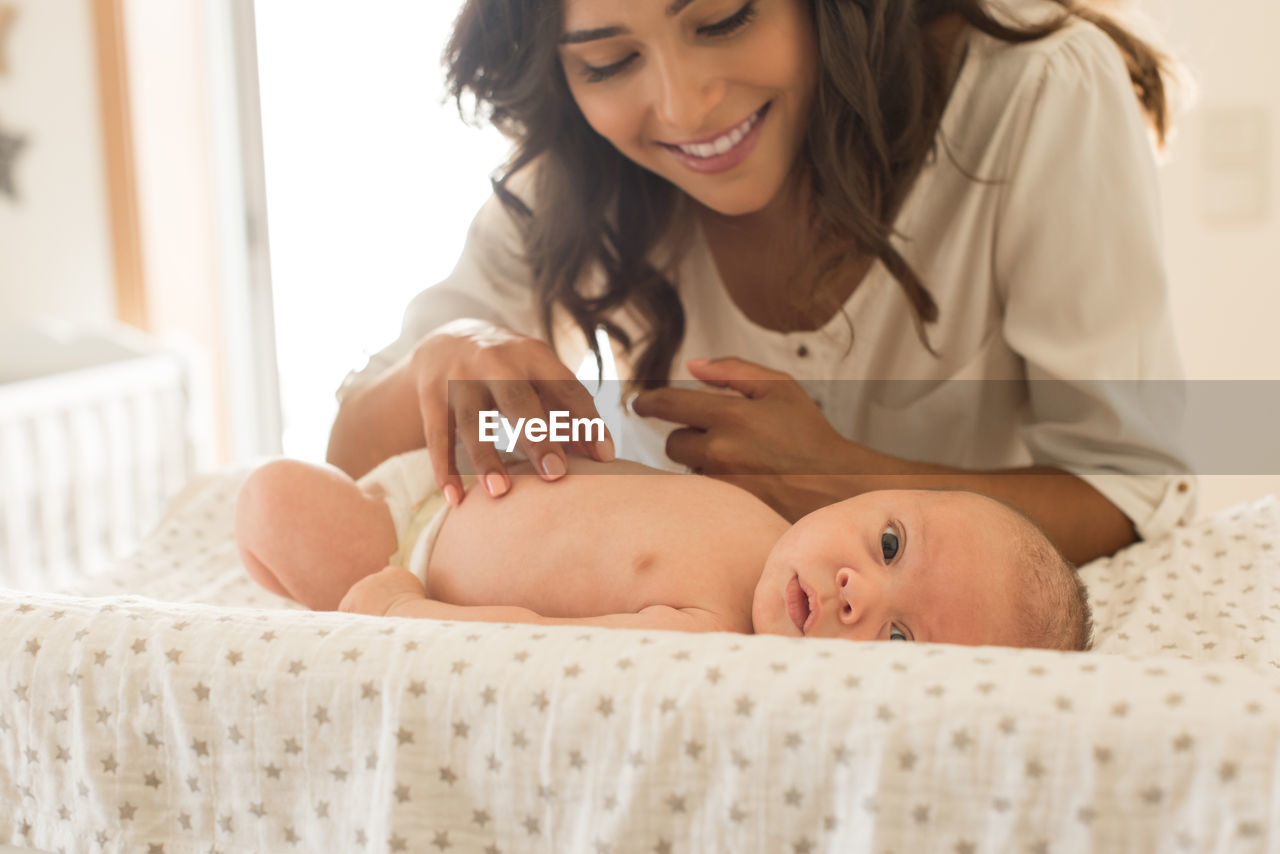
[376, 421]
[1079, 520]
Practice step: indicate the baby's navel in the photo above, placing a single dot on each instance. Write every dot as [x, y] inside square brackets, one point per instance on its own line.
[643, 562]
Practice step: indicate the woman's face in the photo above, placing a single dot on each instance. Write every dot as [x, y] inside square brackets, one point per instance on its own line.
[713, 95]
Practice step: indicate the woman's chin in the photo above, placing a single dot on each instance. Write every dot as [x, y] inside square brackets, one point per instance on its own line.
[732, 204]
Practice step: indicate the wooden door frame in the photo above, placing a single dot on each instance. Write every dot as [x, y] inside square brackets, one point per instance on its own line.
[118, 159]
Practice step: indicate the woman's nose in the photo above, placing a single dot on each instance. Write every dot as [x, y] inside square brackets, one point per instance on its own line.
[686, 96]
[855, 595]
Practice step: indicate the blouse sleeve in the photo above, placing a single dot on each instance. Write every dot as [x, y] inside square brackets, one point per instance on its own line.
[1080, 269]
[491, 282]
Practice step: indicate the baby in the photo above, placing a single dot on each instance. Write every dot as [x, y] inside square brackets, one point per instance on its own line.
[624, 545]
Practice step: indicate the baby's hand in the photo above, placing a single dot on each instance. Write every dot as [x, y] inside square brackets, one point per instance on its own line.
[379, 594]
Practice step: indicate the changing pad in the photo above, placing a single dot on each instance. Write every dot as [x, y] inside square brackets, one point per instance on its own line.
[185, 709]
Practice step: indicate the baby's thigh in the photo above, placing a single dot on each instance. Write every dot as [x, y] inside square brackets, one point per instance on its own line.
[313, 528]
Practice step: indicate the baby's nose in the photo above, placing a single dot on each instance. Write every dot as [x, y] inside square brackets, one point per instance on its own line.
[858, 594]
[853, 593]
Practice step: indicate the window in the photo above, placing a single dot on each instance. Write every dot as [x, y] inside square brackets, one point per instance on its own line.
[371, 184]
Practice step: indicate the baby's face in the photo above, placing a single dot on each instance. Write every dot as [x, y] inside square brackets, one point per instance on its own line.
[895, 565]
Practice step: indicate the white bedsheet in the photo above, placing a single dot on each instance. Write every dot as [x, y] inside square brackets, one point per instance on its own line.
[209, 717]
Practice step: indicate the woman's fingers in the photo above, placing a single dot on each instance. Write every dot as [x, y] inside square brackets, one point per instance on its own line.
[570, 395]
[694, 407]
[518, 403]
[468, 371]
[468, 400]
[689, 447]
[748, 378]
[438, 429]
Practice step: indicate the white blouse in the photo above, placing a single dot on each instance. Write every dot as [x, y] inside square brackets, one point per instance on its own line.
[1048, 273]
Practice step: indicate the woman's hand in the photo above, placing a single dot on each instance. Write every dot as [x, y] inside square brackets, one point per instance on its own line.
[494, 369]
[765, 438]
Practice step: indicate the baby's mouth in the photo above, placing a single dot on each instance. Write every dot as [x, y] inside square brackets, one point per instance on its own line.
[797, 603]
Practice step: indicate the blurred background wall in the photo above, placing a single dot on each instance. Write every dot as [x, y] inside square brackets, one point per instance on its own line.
[1221, 186]
[55, 251]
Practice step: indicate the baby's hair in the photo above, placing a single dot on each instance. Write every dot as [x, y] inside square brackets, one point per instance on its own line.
[1056, 612]
[1054, 603]
[1058, 615]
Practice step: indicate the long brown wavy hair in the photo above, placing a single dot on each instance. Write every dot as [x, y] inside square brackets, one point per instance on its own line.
[880, 96]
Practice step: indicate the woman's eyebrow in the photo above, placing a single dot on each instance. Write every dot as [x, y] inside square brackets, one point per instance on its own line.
[579, 36]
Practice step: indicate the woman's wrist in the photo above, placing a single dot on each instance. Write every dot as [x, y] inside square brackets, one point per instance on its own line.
[377, 420]
[844, 470]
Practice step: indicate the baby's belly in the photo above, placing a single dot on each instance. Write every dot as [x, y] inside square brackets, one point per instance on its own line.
[609, 538]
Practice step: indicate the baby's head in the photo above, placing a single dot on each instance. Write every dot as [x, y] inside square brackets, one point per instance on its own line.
[923, 565]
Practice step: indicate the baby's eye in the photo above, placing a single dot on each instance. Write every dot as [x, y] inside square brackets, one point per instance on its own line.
[889, 543]
[896, 634]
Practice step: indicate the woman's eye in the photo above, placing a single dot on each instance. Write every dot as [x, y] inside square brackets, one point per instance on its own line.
[731, 24]
[889, 543]
[598, 74]
[896, 634]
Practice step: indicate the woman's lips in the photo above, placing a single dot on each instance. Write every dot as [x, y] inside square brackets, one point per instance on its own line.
[797, 603]
[731, 158]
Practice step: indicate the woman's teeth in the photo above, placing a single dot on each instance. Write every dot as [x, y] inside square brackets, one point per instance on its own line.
[724, 144]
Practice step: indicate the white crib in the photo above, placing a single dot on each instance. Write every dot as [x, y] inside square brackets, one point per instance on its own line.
[94, 439]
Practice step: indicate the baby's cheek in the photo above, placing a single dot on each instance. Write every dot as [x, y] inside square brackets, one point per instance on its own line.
[797, 548]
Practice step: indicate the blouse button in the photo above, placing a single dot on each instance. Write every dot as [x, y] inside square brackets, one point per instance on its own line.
[802, 351]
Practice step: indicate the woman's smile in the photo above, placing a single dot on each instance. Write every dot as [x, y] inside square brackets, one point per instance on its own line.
[724, 151]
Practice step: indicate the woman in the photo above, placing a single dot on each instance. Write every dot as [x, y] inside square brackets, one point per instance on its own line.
[729, 188]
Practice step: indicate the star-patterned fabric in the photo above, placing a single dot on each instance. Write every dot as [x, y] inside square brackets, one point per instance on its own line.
[211, 716]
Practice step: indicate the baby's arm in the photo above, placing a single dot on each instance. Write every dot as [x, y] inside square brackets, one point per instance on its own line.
[396, 592]
[309, 532]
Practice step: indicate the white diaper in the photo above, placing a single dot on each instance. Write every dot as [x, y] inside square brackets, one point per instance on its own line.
[418, 509]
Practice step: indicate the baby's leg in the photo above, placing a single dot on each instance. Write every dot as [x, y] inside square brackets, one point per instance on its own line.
[309, 532]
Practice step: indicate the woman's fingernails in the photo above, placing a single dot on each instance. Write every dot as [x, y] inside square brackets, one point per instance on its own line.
[452, 495]
[553, 466]
[495, 483]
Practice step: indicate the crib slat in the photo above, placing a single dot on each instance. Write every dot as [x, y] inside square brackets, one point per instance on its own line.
[115, 420]
[16, 489]
[175, 455]
[89, 467]
[142, 447]
[52, 479]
